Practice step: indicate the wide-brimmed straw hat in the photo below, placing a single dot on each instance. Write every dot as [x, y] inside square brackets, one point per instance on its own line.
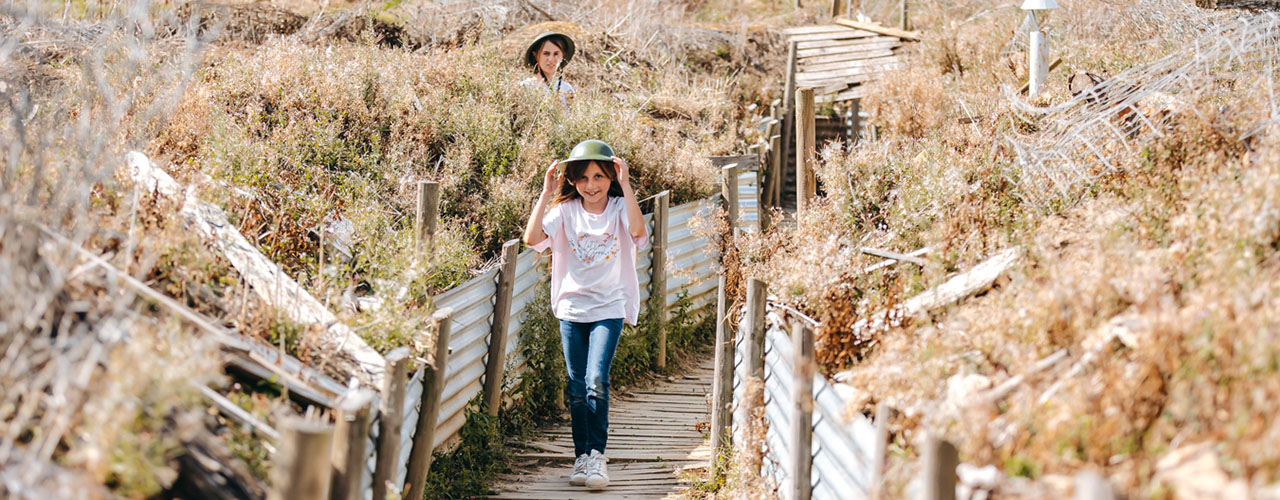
[531, 59]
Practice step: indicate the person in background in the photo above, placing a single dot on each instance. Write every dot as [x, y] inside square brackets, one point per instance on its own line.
[589, 217]
[548, 53]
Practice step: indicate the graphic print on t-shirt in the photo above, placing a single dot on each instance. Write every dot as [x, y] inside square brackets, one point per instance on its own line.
[590, 249]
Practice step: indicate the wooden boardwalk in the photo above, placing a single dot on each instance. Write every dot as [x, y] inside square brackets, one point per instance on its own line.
[654, 436]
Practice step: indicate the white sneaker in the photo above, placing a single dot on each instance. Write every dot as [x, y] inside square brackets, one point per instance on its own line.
[597, 470]
[579, 475]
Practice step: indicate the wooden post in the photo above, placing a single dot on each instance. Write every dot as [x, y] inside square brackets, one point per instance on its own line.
[658, 275]
[424, 226]
[301, 470]
[429, 413]
[775, 198]
[392, 421]
[722, 385]
[497, 362]
[729, 189]
[349, 453]
[775, 111]
[757, 292]
[802, 412]
[902, 14]
[806, 185]
[788, 119]
[837, 7]
[940, 461]
[883, 414]
[856, 128]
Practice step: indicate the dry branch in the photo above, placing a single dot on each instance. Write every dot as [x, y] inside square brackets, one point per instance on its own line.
[893, 255]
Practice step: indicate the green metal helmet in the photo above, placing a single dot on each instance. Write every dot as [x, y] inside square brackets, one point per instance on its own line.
[531, 59]
[591, 149]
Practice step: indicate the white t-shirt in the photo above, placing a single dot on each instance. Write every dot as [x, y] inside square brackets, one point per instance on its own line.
[593, 262]
[560, 87]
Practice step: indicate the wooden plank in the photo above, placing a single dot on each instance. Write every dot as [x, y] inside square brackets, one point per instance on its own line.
[823, 28]
[814, 49]
[876, 28]
[843, 49]
[803, 47]
[849, 94]
[854, 68]
[840, 61]
[846, 34]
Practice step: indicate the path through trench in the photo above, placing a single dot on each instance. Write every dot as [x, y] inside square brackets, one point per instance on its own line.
[654, 438]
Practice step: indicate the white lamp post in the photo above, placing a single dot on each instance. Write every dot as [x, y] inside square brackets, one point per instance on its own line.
[1036, 70]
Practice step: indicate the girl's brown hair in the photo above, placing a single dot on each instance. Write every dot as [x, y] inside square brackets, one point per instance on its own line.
[575, 170]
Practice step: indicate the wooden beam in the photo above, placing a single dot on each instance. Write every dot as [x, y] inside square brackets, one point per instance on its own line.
[658, 275]
[788, 120]
[392, 422]
[939, 469]
[802, 371]
[722, 384]
[351, 435]
[754, 326]
[428, 208]
[806, 186]
[301, 469]
[433, 380]
[876, 28]
[496, 364]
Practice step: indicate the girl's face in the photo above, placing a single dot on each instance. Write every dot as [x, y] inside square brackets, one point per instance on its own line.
[593, 186]
[549, 57]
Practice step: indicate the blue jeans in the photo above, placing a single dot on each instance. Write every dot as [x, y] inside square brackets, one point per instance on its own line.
[588, 355]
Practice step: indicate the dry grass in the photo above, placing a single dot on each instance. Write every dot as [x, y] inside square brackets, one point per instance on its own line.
[290, 128]
[1177, 246]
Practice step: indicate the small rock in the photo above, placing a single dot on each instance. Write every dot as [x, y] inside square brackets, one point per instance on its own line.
[1194, 473]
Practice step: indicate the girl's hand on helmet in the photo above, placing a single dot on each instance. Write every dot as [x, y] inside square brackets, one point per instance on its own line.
[620, 166]
[552, 179]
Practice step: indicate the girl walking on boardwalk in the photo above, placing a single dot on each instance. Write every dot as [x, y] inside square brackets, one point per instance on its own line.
[589, 217]
[546, 55]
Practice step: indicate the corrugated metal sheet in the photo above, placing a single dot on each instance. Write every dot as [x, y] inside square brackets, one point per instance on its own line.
[530, 274]
[690, 256]
[749, 201]
[472, 304]
[842, 446]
